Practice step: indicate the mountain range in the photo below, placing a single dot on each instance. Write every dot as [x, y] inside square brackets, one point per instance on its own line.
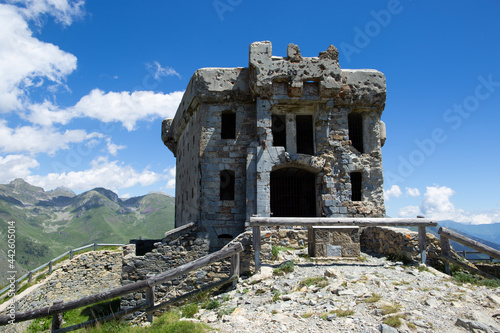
[50, 223]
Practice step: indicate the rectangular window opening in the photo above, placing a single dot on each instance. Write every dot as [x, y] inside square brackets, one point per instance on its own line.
[355, 123]
[227, 185]
[279, 130]
[305, 134]
[228, 125]
[356, 181]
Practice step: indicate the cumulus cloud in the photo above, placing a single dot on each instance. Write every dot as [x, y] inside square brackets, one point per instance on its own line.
[34, 140]
[394, 191]
[16, 166]
[63, 11]
[412, 192]
[128, 108]
[125, 107]
[160, 71]
[103, 173]
[112, 148]
[25, 62]
[170, 172]
[436, 204]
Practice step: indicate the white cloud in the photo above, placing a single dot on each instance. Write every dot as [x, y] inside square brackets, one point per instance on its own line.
[26, 62]
[394, 191]
[15, 166]
[170, 177]
[437, 205]
[160, 71]
[112, 148]
[39, 139]
[64, 11]
[412, 192]
[125, 107]
[102, 173]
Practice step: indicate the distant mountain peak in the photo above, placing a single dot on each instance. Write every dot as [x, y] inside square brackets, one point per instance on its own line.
[61, 191]
[160, 192]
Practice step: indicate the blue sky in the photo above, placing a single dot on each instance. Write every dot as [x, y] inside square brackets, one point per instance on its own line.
[84, 86]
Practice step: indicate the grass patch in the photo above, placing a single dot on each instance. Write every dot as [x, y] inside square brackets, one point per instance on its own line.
[338, 313]
[307, 314]
[210, 305]
[77, 316]
[319, 281]
[388, 309]
[373, 298]
[394, 321]
[463, 277]
[276, 295]
[226, 311]
[168, 323]
[286, 267]
[189, 310]
[399, 257]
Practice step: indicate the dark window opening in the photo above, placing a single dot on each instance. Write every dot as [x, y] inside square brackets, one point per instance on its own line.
[228, 125]
[293, 193]
[305, 136]
[225, 236]
[355, 121]
[279, 130]
[356, 181]
[227, 185]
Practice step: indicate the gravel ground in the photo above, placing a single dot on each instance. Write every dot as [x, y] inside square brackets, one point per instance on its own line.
[354, 296]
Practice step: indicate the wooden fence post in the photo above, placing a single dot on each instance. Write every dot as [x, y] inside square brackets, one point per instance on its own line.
[30, 277]
[256, 247]
[70, 254]
[57, 318]
[446, 252]
[150, 300]
[95, 246]
[235, 266]
[422, 244]
[50, 267]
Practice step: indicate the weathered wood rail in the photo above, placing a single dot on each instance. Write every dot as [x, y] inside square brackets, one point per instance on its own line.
[256, 222]
[447, 234]
[29, 275]
[233, 251]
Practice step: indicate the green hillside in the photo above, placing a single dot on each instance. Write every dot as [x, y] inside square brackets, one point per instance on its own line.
[50, 223]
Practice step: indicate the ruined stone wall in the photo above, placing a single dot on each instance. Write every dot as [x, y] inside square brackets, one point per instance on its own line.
[224, 217]
[86, 274]
[490, 268]
[188, 174]
[164, 257]
[399, 241]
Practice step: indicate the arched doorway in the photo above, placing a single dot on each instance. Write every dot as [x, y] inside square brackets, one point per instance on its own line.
[293, 193]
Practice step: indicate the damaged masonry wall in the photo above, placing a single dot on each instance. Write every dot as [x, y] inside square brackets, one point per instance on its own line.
[287, 136]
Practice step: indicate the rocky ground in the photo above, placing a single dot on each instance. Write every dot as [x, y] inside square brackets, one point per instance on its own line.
[363, 295]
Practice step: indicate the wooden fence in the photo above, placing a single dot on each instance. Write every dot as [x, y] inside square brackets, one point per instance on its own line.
[309, 222]
[447, 234]
[56, 310]
[29, 275]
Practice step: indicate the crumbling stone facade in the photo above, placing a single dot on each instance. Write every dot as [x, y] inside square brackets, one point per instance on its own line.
[287, 136]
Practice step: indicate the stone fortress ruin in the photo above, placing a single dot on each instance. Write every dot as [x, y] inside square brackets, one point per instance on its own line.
[286, 137]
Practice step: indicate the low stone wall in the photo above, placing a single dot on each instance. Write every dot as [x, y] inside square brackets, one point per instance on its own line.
[86, 274]
[490, 268]
[167, 256]
[399, 242]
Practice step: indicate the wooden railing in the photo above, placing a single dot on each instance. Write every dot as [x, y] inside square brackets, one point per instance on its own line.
[309, 222]
[232, 250]
[464, 254]
[29, 275]
[447, 234]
